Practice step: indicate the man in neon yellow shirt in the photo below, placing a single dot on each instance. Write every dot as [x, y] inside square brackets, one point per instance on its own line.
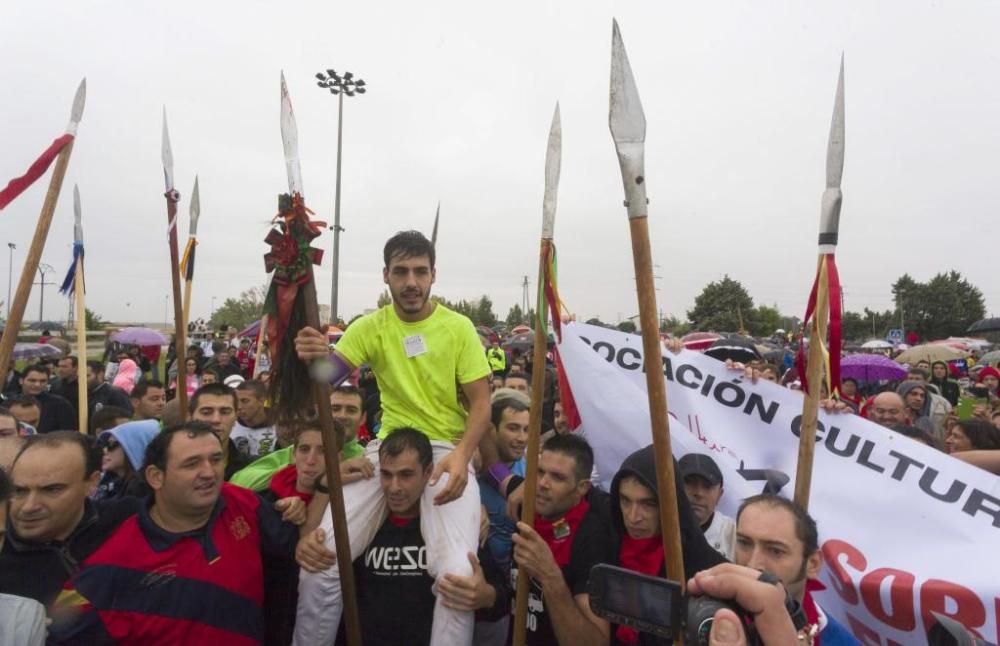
[426, 359]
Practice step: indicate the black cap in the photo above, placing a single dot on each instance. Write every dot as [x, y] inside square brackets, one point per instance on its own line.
[699, 464]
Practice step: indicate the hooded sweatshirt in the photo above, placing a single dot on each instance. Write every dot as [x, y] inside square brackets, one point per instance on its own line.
[642, 554]
[949, 389]
[904, 389]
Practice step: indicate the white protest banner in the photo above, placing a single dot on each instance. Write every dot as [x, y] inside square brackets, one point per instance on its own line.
[904, 529]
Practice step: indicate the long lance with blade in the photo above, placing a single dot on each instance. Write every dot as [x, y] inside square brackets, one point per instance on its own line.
[553, 163]
[434, 232]
[173, 197]
[332, 439]
[628, 129]
[81, 312]
[15, 311]
[824, 304]
[187, 262]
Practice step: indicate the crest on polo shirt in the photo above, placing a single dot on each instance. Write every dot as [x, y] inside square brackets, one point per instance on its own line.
[239, 527]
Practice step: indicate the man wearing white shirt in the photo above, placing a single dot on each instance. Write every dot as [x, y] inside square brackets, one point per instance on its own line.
[703, 486]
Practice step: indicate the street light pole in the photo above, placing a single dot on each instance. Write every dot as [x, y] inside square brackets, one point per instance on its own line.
[43, 269]
[339, 85]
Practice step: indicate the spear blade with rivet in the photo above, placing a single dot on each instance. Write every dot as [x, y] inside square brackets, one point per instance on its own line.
[172, 197]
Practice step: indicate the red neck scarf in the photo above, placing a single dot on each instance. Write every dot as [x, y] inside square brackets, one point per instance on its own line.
[809, 606]
[283, 484]
[645, 556]
[559, 534]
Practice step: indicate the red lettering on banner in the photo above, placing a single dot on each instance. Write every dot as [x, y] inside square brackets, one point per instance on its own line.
[842, 582]
[902, 616]
[934, 595]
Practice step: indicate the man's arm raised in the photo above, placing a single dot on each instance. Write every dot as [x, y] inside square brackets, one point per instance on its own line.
[456, 464]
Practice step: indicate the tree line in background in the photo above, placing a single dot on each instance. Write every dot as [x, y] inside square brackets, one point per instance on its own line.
[943, 306]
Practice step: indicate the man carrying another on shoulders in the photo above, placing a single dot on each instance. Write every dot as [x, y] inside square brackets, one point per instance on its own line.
[423, 355]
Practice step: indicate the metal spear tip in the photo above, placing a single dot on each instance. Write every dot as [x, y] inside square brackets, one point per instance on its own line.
[290, 141]
[553, 163]
[626, 118]
[166, 154]
[835, 144]
[195, 208]
[79, 101]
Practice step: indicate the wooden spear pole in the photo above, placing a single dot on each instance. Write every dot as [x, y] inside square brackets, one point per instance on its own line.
[628, 129]
[15, 312]
[553, 162]
[321, 390]
[814, 377]
[172, 198]
[81, 315]
[81, 344]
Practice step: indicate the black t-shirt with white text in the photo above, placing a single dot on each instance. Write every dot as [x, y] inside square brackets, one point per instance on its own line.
[591, 544]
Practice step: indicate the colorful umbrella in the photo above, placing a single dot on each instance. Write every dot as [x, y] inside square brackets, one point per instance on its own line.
[871, 367]
[699, 340]
[30, 350]
[141, 336]
[876, 344]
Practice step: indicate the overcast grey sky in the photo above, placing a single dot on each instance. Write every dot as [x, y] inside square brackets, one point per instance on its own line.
[738, 99]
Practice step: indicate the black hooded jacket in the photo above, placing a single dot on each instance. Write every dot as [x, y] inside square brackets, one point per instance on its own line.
[698, 554]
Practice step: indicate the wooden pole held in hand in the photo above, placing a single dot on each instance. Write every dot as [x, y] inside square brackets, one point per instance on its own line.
[814, 377]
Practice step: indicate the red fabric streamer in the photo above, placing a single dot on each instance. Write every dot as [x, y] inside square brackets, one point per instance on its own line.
[20, 184]
[572, 413]
[289, 259]
[834, 331]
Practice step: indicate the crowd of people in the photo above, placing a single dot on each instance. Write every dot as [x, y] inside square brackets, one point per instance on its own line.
[212, 525]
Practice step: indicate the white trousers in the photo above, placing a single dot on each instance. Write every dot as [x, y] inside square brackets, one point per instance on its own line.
[450, 532]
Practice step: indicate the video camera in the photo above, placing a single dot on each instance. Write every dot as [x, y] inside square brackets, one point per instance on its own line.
[657, 606]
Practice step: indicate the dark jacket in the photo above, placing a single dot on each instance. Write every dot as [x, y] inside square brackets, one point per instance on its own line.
[107, 395]
[57, 414]
[39, 570]
[698, 554]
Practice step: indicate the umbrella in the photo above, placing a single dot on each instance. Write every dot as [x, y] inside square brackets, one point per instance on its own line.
[142, 336]
[251, 330]
[958, 344]
[525, 341]
[29, 350]
[871, 367]
[741, 350]
[929, 352]
[876, 344]
[47, 325]
[985, 325]
[520, 329]
[699, 340]
[989, 359]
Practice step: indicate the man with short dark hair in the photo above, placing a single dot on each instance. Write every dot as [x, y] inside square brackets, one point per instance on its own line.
[26, 411]
[394, 576]
[66, 383]
[148, 399]
[703, 486]
[777, 536]
[520, 382]
[509, 425]
[426, 359]
[187, 568]
[569, 537]
[100, 393]
[254, 433]
[215, 404]
[53, 523]
[56, 414]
